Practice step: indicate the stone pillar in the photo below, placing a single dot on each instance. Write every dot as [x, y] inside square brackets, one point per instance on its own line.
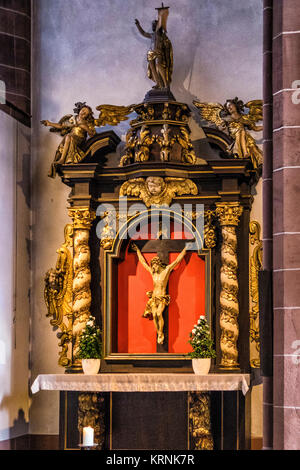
[267, 185]
[15, 56]
[229, 214]
[286, 223]
[82, 296]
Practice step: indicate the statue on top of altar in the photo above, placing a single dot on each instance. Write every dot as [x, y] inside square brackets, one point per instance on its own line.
[160, 54]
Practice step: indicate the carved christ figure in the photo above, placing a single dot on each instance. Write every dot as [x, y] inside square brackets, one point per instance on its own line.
[160, 55]
[158, 298]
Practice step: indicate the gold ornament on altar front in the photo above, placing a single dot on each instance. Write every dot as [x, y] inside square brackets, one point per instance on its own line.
[158, 298]
[199, 421]
[91, 412]
[232, 119]
[255, 266]
[75, 129]
[157, 191]
[58, 295]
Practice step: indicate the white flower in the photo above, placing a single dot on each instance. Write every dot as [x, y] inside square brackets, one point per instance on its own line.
[194, 331]
[90, 323]
[202, 317]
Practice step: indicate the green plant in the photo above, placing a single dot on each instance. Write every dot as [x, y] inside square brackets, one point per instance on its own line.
[201, 341]
[90, 345]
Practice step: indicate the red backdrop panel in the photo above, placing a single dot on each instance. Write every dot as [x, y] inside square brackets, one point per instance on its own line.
[135, 333]
[187, 290]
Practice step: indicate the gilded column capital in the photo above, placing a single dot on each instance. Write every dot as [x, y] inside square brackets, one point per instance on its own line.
[229, 213]
[82, 217]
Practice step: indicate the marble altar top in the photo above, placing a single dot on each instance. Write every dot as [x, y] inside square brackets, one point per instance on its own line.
[142, 382]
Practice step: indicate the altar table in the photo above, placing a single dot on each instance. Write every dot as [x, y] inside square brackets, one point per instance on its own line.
[152, 410]
[142, 382]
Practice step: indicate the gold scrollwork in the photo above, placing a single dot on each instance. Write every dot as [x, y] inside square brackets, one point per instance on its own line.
[255, 266]
[107, 233]
[199, 421]
[210, 229]
[58, 295]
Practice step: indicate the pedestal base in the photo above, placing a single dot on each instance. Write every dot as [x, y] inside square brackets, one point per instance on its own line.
[158, 95]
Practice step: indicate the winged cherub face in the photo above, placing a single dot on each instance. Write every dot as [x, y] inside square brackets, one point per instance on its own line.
[155, 185]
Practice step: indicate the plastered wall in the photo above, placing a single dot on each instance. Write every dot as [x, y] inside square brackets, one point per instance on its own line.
[15, 277]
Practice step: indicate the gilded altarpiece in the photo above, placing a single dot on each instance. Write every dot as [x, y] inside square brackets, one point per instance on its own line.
[146, 292]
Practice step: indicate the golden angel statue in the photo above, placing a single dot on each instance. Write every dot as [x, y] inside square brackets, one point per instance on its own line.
[76, 128]
[232, 118]
[160, 55]
[157, 191]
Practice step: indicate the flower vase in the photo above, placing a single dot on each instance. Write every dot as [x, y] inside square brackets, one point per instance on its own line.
[201, 366]
[90, 366]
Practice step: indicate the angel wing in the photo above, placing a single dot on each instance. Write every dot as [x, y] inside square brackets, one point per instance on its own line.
[112, 115]
[255, 110]
[67, 122]
[210, 112]
[133, 187]
[181, 186]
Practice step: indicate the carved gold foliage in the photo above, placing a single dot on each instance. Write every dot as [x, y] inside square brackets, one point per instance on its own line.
[209, 229]
[91, 412]
[143, 143]
[158, 191]
[107, 233]
[58, 295]
[199, 421]
[188, 153]
[229, 213]
[255, 264]
[82, 217]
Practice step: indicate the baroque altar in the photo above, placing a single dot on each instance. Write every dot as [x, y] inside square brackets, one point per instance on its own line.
[158, 235]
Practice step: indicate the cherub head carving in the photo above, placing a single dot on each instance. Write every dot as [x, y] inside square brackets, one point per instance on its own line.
[155, 185]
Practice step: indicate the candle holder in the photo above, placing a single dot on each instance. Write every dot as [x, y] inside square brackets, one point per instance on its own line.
[88, 447]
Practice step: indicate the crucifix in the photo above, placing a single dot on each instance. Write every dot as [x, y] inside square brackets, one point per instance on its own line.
[160, 270]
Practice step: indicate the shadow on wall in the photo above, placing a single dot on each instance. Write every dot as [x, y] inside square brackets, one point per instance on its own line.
[20, 426]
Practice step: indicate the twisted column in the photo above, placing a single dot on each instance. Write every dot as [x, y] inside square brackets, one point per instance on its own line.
[82, 296]
[229, 214]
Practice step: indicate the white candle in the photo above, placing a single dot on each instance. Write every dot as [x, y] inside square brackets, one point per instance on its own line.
[88, 436]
